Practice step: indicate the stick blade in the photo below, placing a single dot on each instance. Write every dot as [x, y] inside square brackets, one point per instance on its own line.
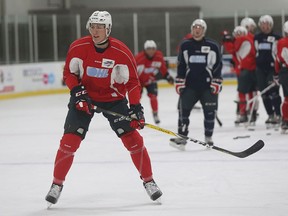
[253, 149]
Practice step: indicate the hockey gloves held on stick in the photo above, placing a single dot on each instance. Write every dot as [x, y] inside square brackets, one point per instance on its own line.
[136, 113]
[81, 99]
[169, 79]
[216, 85]
[179, 85]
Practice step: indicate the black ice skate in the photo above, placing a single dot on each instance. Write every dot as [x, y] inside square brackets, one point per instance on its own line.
[152, 190]
[273, 121]
[209, 142]
[270, 119]
[276, 120]
[53, 194]
[178, 143]
[241, 119]
[156, 118]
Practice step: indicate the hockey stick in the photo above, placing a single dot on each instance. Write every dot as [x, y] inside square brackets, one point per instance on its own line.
[218, 120]
[256, 96]
[251, 150]
[216, 115]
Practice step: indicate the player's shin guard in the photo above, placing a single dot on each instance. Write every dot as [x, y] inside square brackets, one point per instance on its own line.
[133, 142]
[153, 102]
[183, 122]
[65, 155]
[276, 102]
[209, 122]
[242, 104]
[284, 109]
[256, 105]
[267, 104]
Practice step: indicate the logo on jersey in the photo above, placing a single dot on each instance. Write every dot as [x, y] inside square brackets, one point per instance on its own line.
[205, 49]
[97, 72]
[270, 38]
[264, 46]
[150, 70]
[197, 59]
[156, 64]
[107, 63]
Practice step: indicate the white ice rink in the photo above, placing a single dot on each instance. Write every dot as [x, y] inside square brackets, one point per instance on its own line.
[103, 180]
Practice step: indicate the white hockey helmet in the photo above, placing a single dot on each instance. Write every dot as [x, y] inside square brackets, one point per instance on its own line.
[101, 17]
[266, 18]
[150, 44]
[240, 30]
[285, 27]
[199, 22]
[247, 22]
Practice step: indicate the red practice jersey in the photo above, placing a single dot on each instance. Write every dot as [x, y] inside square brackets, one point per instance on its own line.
[282, 54]
[251, 36]
[148, 68]
[107, 76]
[229, 47]
[245, 53]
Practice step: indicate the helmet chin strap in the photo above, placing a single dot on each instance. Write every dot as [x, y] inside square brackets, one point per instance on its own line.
[103, 42]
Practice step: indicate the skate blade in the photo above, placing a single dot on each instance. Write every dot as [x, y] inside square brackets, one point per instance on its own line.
[49, 205]
[180, 147]
[158, 201]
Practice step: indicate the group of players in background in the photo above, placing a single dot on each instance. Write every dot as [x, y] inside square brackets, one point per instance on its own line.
[260, 63]
[102, 73]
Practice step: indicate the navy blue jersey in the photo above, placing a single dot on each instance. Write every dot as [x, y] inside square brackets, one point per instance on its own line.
[199, 62]
[265, 45]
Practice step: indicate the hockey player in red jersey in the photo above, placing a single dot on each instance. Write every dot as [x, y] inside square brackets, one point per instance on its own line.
[99, 71]
[151, 67]
[281, 69]
[229, 46]
[250, 25]
[245, 54]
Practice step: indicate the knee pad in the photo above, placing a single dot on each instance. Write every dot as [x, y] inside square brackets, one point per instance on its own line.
[79, 131]
[133, 142]
[209, 115]
[70, 143]
[152, 96]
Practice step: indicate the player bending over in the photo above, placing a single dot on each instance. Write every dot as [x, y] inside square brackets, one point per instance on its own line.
[151, 67]
[281, 68]
[99, 71]
[198, 79]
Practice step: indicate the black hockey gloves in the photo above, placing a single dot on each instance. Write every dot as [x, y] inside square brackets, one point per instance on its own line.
[136, 112]
[169, 79]
[80, 98]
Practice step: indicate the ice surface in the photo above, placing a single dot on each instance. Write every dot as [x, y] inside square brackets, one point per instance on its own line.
[103, 180]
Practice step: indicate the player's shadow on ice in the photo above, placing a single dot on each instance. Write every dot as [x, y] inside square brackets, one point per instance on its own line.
[176, 151]
[94, 210]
